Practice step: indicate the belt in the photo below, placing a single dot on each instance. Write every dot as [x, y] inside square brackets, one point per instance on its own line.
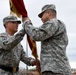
[10, 69]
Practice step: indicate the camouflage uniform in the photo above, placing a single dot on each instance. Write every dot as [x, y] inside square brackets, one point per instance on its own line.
[11, 52]
[54, 40]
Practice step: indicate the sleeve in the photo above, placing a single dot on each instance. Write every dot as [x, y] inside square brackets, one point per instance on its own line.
[25, 59]
[45, 31]
[10, 43]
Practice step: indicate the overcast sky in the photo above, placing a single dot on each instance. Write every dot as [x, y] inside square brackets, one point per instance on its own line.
[66, 12]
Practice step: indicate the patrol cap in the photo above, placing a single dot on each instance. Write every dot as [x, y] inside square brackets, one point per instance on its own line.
[11, 19]
[46, 7]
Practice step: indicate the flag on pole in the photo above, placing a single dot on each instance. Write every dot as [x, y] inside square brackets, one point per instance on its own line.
[17, 7]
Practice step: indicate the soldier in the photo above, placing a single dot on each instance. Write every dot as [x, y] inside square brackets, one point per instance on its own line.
[11, 51]
[54, 40]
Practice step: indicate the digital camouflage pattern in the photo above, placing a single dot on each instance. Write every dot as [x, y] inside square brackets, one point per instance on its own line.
[11, 51]
[54, 40]
[46, 7]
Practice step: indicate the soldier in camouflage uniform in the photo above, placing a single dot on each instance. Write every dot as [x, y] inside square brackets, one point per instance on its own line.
[11, 51]
[54, 40]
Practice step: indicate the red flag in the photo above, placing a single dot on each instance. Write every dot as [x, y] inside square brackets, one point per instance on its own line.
[17, 7]
[20, 7]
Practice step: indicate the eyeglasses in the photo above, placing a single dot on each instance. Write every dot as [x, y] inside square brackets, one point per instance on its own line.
[14, 22]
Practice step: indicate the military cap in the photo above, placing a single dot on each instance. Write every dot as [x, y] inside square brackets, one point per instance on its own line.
[11, 19]
[46, 7]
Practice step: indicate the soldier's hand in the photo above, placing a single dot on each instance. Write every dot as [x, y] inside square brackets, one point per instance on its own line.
[26, 21]
[35, 62]
[25, 18]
